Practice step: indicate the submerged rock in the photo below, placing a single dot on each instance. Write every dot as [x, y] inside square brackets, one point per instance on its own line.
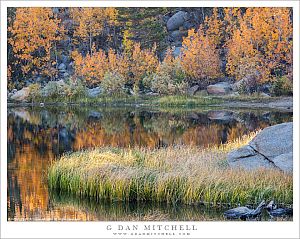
[271, 148]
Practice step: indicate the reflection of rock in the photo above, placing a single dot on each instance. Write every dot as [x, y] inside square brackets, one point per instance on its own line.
[95, 114]
[63, 133]
[220, 88]
[22, 113]
[272, 147]
[220, 115]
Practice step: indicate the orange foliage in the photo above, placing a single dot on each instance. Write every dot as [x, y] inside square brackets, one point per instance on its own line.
[262, 45]
[200, 58]
[143, 62]
[90, 21]
[92, 68]
[33, 33]
[214, 27]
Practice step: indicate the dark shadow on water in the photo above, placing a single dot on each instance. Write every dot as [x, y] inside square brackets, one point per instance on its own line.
[144, 211]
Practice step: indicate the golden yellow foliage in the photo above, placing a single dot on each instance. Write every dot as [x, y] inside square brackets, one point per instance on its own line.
[143, 62]
[92, 68]
[34, 33]
[262, 45]
[200, 58]
[90, 21]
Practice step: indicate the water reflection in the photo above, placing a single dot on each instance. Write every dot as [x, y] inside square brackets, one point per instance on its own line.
[36, 136]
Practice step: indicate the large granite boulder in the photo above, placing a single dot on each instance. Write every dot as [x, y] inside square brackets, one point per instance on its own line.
[177, 20]
[220, 88]
[271, 148]
[21, 95]
[247, 84]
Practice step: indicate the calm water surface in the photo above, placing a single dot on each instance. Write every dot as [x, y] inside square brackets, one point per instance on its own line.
[37, 136]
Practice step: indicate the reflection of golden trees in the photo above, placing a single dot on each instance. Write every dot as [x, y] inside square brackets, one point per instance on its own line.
[203, 135]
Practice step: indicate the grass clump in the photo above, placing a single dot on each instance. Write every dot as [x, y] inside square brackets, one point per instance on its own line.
[175, 174]
[187, 101]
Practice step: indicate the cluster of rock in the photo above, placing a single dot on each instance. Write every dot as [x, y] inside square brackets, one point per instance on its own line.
[177, 26]
[271, 148]
[227, 86]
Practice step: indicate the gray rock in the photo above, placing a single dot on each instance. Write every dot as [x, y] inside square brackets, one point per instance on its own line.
[284, 162]
[64, 59]
[9, 95]
[264, 95]
[192, 90]
[66, 74]
[21, 95]
[274, 141]
[251, 163]
[247, 84]
[242, 152]
[177, 20]
[94, 92]
[62, 66]
[271, 148]
[178, 43]
[177, 51]
[234, 94]
[220, 88]
[188, 25]
[151, 93]
[178, 34]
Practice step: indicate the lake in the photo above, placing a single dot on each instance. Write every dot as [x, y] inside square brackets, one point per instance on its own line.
[39, 135]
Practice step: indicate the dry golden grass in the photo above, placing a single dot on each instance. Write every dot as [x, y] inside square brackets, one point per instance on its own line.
[174, 174]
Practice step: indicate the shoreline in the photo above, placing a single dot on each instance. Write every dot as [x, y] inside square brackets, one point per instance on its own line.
[276, 103]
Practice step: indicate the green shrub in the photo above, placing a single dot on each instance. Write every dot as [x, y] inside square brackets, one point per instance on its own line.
[282, 86]
[71, 90]
[74, 89]
[113, 83]
[167, 80]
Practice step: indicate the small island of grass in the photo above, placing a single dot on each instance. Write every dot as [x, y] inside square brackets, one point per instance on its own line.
[178, 174]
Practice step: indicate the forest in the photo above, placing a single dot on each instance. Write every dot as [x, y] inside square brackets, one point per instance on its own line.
[159, 51]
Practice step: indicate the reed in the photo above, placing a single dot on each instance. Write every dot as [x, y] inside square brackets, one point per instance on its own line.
[177, 174]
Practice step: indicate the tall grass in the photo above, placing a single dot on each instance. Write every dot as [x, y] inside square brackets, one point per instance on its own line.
[187, 101]
[175, 174]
